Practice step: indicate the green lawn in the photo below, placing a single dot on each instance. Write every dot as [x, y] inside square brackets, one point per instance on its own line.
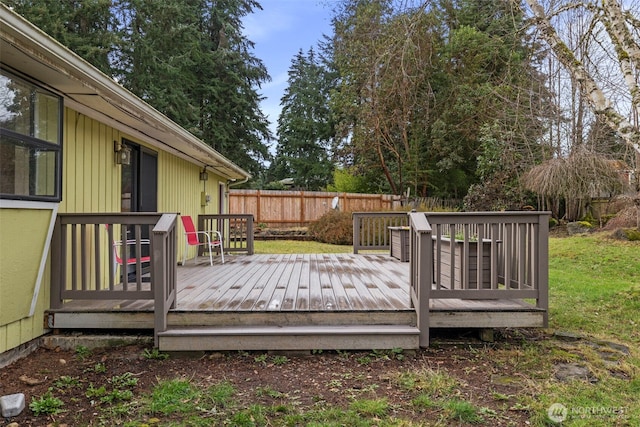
[298, 247]
[595, 286]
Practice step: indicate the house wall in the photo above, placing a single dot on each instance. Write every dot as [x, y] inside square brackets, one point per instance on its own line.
[24, 227]
[91, 178]
[90, 183]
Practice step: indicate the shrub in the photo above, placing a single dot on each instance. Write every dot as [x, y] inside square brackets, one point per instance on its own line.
[334, 227]
[552, 222]
[626, 218]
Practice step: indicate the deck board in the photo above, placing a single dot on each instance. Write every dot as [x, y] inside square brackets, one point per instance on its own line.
[303, 295]
[291, 291]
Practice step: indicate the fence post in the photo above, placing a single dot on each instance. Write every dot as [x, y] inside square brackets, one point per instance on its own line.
[258, 204]
[302, 213]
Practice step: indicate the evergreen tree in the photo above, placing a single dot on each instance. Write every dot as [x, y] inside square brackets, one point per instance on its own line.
[492, 100]
[190, 60]
[305, 128]
[86, 27]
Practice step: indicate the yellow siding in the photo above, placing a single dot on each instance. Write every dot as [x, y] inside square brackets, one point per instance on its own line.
[179, 190]
[90, 183]
[90, 179]
[23, 239]
[23, 233]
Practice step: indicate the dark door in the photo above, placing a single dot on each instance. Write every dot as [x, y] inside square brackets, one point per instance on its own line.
[140, 180]
[139, 191]
[148, 187]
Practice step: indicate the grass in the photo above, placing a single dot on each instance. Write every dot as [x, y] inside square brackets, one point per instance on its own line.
[594, 294]
[600, 279]
[298, 247]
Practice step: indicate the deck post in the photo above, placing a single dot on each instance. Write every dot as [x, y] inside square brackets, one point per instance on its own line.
[425, 262]
[543, 266]
[421, 271]
[163, 272]
[356, 232]
[250, 221]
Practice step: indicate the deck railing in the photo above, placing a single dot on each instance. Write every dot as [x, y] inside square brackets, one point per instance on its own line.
[371, 229]
[115, 256]
[236, 230]
[477, 255]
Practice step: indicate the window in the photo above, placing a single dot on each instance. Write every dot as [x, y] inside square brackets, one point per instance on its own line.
[30, 141]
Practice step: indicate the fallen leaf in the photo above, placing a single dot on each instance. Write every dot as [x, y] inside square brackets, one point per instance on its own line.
[30, 381]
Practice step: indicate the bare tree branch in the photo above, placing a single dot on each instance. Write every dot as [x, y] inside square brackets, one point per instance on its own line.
[627, 52]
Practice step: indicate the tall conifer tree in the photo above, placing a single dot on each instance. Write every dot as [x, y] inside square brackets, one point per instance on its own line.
[305, 126]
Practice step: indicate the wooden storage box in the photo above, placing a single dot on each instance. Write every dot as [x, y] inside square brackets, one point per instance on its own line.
[400, 243]
[465, 264]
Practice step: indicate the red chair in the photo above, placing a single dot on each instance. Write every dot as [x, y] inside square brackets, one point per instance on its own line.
[212, 240]
[133, 260]
[118, 252]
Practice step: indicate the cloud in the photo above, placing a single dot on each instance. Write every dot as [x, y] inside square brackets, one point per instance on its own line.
[264, 25]
[278, 82]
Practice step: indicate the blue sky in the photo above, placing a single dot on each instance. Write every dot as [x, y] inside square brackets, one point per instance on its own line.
[279, 31]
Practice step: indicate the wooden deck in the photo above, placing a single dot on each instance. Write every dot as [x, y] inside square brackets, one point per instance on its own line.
[323, 282]
[286, 282]
[314, 301]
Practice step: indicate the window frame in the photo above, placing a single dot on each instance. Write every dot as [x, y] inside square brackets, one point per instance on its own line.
[31, 142]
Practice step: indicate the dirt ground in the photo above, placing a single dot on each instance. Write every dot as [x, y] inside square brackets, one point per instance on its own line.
[335, 378]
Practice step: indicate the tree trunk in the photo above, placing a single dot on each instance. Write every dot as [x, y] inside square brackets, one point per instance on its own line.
[627, 51]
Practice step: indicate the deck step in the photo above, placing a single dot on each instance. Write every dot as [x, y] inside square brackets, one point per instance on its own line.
[354, 337]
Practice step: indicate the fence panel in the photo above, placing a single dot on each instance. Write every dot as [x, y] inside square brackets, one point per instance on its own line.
[281, 209]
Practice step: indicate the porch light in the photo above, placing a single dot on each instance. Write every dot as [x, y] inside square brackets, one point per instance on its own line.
[204, 175]
[123, 153]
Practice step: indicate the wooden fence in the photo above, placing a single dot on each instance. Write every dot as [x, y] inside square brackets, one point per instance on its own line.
[281, 209]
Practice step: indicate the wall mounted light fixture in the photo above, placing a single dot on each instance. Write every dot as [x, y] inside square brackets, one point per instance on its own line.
[204, 175]
[123, 153]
